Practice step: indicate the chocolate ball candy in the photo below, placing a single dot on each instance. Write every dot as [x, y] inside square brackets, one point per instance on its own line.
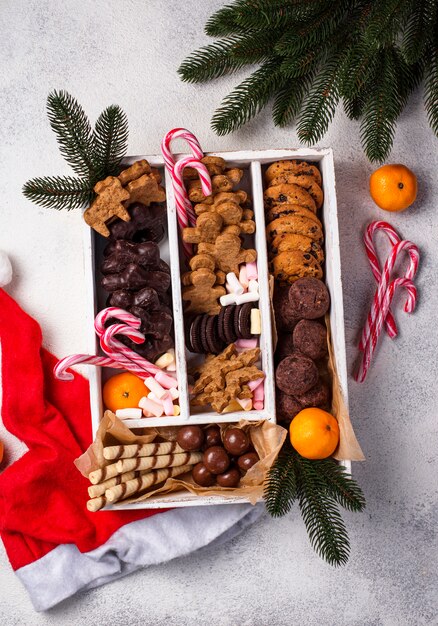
[216, 460]
[212, 436]
[246, 461]
[236, 441]
[190, 438]
[230, 478]
[202, 476]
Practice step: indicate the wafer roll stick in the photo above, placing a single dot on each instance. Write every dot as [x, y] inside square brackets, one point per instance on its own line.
[156, 462]
[98, 490]
[143, 482]
[99, 475]
[96, 503]
[113, 453]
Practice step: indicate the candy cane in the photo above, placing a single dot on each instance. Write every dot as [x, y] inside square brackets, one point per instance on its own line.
[116, 350]
[394, 238]
[382, 287]
[115, 313]
[378, 321]
[84, 359]
[182, 200]
[181, 133]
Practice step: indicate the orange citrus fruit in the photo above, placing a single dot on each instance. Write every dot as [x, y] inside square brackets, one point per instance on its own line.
[314, 433]
[393, 187]
[123, 391]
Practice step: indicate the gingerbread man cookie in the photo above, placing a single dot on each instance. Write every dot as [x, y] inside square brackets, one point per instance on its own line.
[203, 295]
[107, 205]
[228, 253]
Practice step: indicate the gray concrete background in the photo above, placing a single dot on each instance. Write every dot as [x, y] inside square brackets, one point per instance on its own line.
[127, 52]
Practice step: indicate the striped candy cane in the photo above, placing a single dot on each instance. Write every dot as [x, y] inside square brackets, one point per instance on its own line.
[382, 287]
[179, 133]
[378, 321]
[84, 359]
[116, 350]
[181, 197]
[115, 313]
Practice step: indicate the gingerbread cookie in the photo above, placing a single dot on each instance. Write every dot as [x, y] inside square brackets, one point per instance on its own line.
[228, 253]
[107, 205]
[214, 165]
[145, 190]
[287, 243]
[280, 168]
[208, 228]
[219, 183]
[134, 171]
[292, 194]
[288, 267]
[203, 294]
[306, 182]
[294, 224]
[232, 214]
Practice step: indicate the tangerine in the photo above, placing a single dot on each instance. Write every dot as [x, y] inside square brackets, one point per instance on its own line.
[314, 433]
[393, 187]
[123, 391]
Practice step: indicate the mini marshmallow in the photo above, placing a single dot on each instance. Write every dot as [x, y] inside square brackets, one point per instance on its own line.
[246, 343]
[258, 405]
[174, 393]
[229, 298]
[176, 409]
[234, 283]
[150, 407]
[153, 397]
[258, 397]
[245, 403]
[251, 271]
[228, 288]
[246, 297]
[253, 384]
[256, 322]
[253, 286]
[165, 360]
[168, 404]
[155, 387]
[129, 414]
[243, 278]
[165, 380]
[171, 367]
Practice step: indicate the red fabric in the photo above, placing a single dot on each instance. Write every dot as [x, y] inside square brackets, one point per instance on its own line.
[42, 495]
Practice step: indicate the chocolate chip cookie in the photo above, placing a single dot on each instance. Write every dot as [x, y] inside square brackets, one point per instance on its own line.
[292, 194]
[280, 168]
[294, 224]
[287, 267]
[287, 243]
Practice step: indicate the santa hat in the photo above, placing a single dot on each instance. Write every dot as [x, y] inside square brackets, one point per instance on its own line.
[56, 546]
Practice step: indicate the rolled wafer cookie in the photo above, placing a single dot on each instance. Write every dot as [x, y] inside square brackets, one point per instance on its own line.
[155, 462]
[95, 504]
[113, 453]
[144, 482]
[98, 490]
[99, 475]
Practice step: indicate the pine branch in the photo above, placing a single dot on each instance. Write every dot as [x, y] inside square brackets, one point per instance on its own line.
[110, 141]
[210, 62]
[385, 20]
[354, 107]
[73, 132]
[288, 101]
[248, 98]
[223, 23]
[337, 483]
[419, 30]
[360, 65]
[301, 64]
[325, 527]
[59, 192]
[431, 90]
[280, 490]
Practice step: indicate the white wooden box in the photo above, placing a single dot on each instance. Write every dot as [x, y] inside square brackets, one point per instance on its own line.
[253, 163]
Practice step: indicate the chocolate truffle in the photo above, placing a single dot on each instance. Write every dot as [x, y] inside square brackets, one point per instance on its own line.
[216, 460]
[286, 407]
[310, 338]
[202, 476]
[246, 461]
[236, 441]
[212, 436]
[230, 478]
[296, 374]
[285, 320]
[318, 395]
[308, 298]
[190, 438]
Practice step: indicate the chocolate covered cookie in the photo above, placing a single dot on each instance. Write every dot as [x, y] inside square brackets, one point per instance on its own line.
[310, 338]
[309, 298]
[284, 318]
[285, 346]
[286, 407]
[296, 374]
[318, 395]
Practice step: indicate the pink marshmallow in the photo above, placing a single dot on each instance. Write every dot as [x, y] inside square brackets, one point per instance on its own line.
[258, 397]
[168, 404]
[165, 380]
[151, 407]
[253, 384]
[251, 271]
[155, 387]
[258, 406]
[245, 403]
[243, 278]
[246, 343]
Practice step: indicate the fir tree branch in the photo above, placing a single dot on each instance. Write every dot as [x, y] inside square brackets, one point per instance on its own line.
[325, 527]
[431, 90]
[385, 21]
[360, 65]
[59, 192]
[248, 98]
[110, 141]
[210, 62]
[73, 132]
[289, 98]
[419, 30]
[354, 107]
[280, 490]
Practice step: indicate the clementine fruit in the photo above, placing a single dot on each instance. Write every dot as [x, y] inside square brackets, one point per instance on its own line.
[314, 433]
[123, 391]
[393, 187]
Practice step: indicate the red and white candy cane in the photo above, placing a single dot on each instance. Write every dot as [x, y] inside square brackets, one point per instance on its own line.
[82, 359]
[181, 198]
[394, 238]
[378, 321]
[179, 133]
[115, 313]
[116, 350]
[382, 287]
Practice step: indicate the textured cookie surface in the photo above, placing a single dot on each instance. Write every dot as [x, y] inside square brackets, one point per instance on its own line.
[287, 243]
[280, 168]
[294, 224]
[309, 298]
[288, 267]
[292, 194]
[286, 407]
[284, 319]
[310, 338]
[306, 182]
[296, 374]
[282, 209]
[318, 395]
